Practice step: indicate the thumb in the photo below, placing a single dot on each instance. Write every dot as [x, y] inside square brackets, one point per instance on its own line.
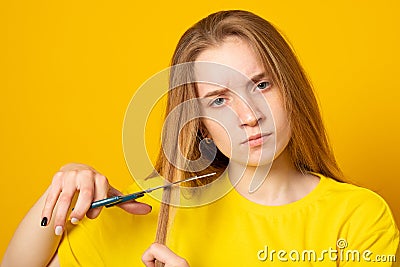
[133, 206]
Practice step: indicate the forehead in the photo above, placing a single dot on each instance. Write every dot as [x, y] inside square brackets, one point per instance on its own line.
[240, 61]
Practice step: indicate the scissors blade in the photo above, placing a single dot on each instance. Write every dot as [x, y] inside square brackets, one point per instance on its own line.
[177, 182]
[112, 201]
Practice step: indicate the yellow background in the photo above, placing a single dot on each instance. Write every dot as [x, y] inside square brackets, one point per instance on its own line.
[69, 68]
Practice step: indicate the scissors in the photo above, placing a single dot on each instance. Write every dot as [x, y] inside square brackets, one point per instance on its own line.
[111, 201]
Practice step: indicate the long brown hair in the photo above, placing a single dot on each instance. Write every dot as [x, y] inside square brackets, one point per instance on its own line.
[308, 147]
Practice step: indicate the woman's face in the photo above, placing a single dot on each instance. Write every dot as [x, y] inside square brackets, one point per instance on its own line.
[243, 112]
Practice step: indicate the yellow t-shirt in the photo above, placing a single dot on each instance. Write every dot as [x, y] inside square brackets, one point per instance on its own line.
[336, 222]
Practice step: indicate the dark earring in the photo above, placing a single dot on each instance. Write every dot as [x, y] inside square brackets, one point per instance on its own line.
[208, 140]
[208, 149]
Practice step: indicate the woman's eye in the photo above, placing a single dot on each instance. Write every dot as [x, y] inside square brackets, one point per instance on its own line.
[218, 102]
[263, 85]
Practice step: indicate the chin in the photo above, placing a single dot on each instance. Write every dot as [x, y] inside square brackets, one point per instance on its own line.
[254, 161]
[260, 157]
[260, 163]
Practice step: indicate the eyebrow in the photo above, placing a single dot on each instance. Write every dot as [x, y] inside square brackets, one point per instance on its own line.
[254, 79]
[216, 92]
[258, 77]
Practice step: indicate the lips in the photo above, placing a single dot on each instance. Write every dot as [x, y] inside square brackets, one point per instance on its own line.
[256, 140]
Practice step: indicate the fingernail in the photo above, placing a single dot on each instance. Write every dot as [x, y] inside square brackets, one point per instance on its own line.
[44, 221]
[59, 230]
[74, 221]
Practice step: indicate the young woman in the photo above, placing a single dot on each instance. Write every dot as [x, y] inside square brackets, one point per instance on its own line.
[289, 205]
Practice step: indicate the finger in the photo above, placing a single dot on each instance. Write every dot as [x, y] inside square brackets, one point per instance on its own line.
[73, 166]
[163, 254]
[149, 263]
[101, 187]
[52, 197]
[64, 201]
[133, 206]
[112, 192]
[148, 257]
[86, 187]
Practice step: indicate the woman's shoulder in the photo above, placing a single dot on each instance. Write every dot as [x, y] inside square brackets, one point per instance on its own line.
[365, 219]
[360, 205]
[351, 193]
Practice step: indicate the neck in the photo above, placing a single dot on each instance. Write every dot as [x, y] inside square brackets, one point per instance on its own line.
[273, 185]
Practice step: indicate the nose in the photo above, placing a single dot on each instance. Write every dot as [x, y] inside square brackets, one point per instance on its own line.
[247, 112]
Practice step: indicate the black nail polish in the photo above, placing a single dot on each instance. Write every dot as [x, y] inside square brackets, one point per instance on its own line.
[44, 221]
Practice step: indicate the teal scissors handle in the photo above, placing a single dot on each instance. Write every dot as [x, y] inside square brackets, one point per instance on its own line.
[111, 201]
